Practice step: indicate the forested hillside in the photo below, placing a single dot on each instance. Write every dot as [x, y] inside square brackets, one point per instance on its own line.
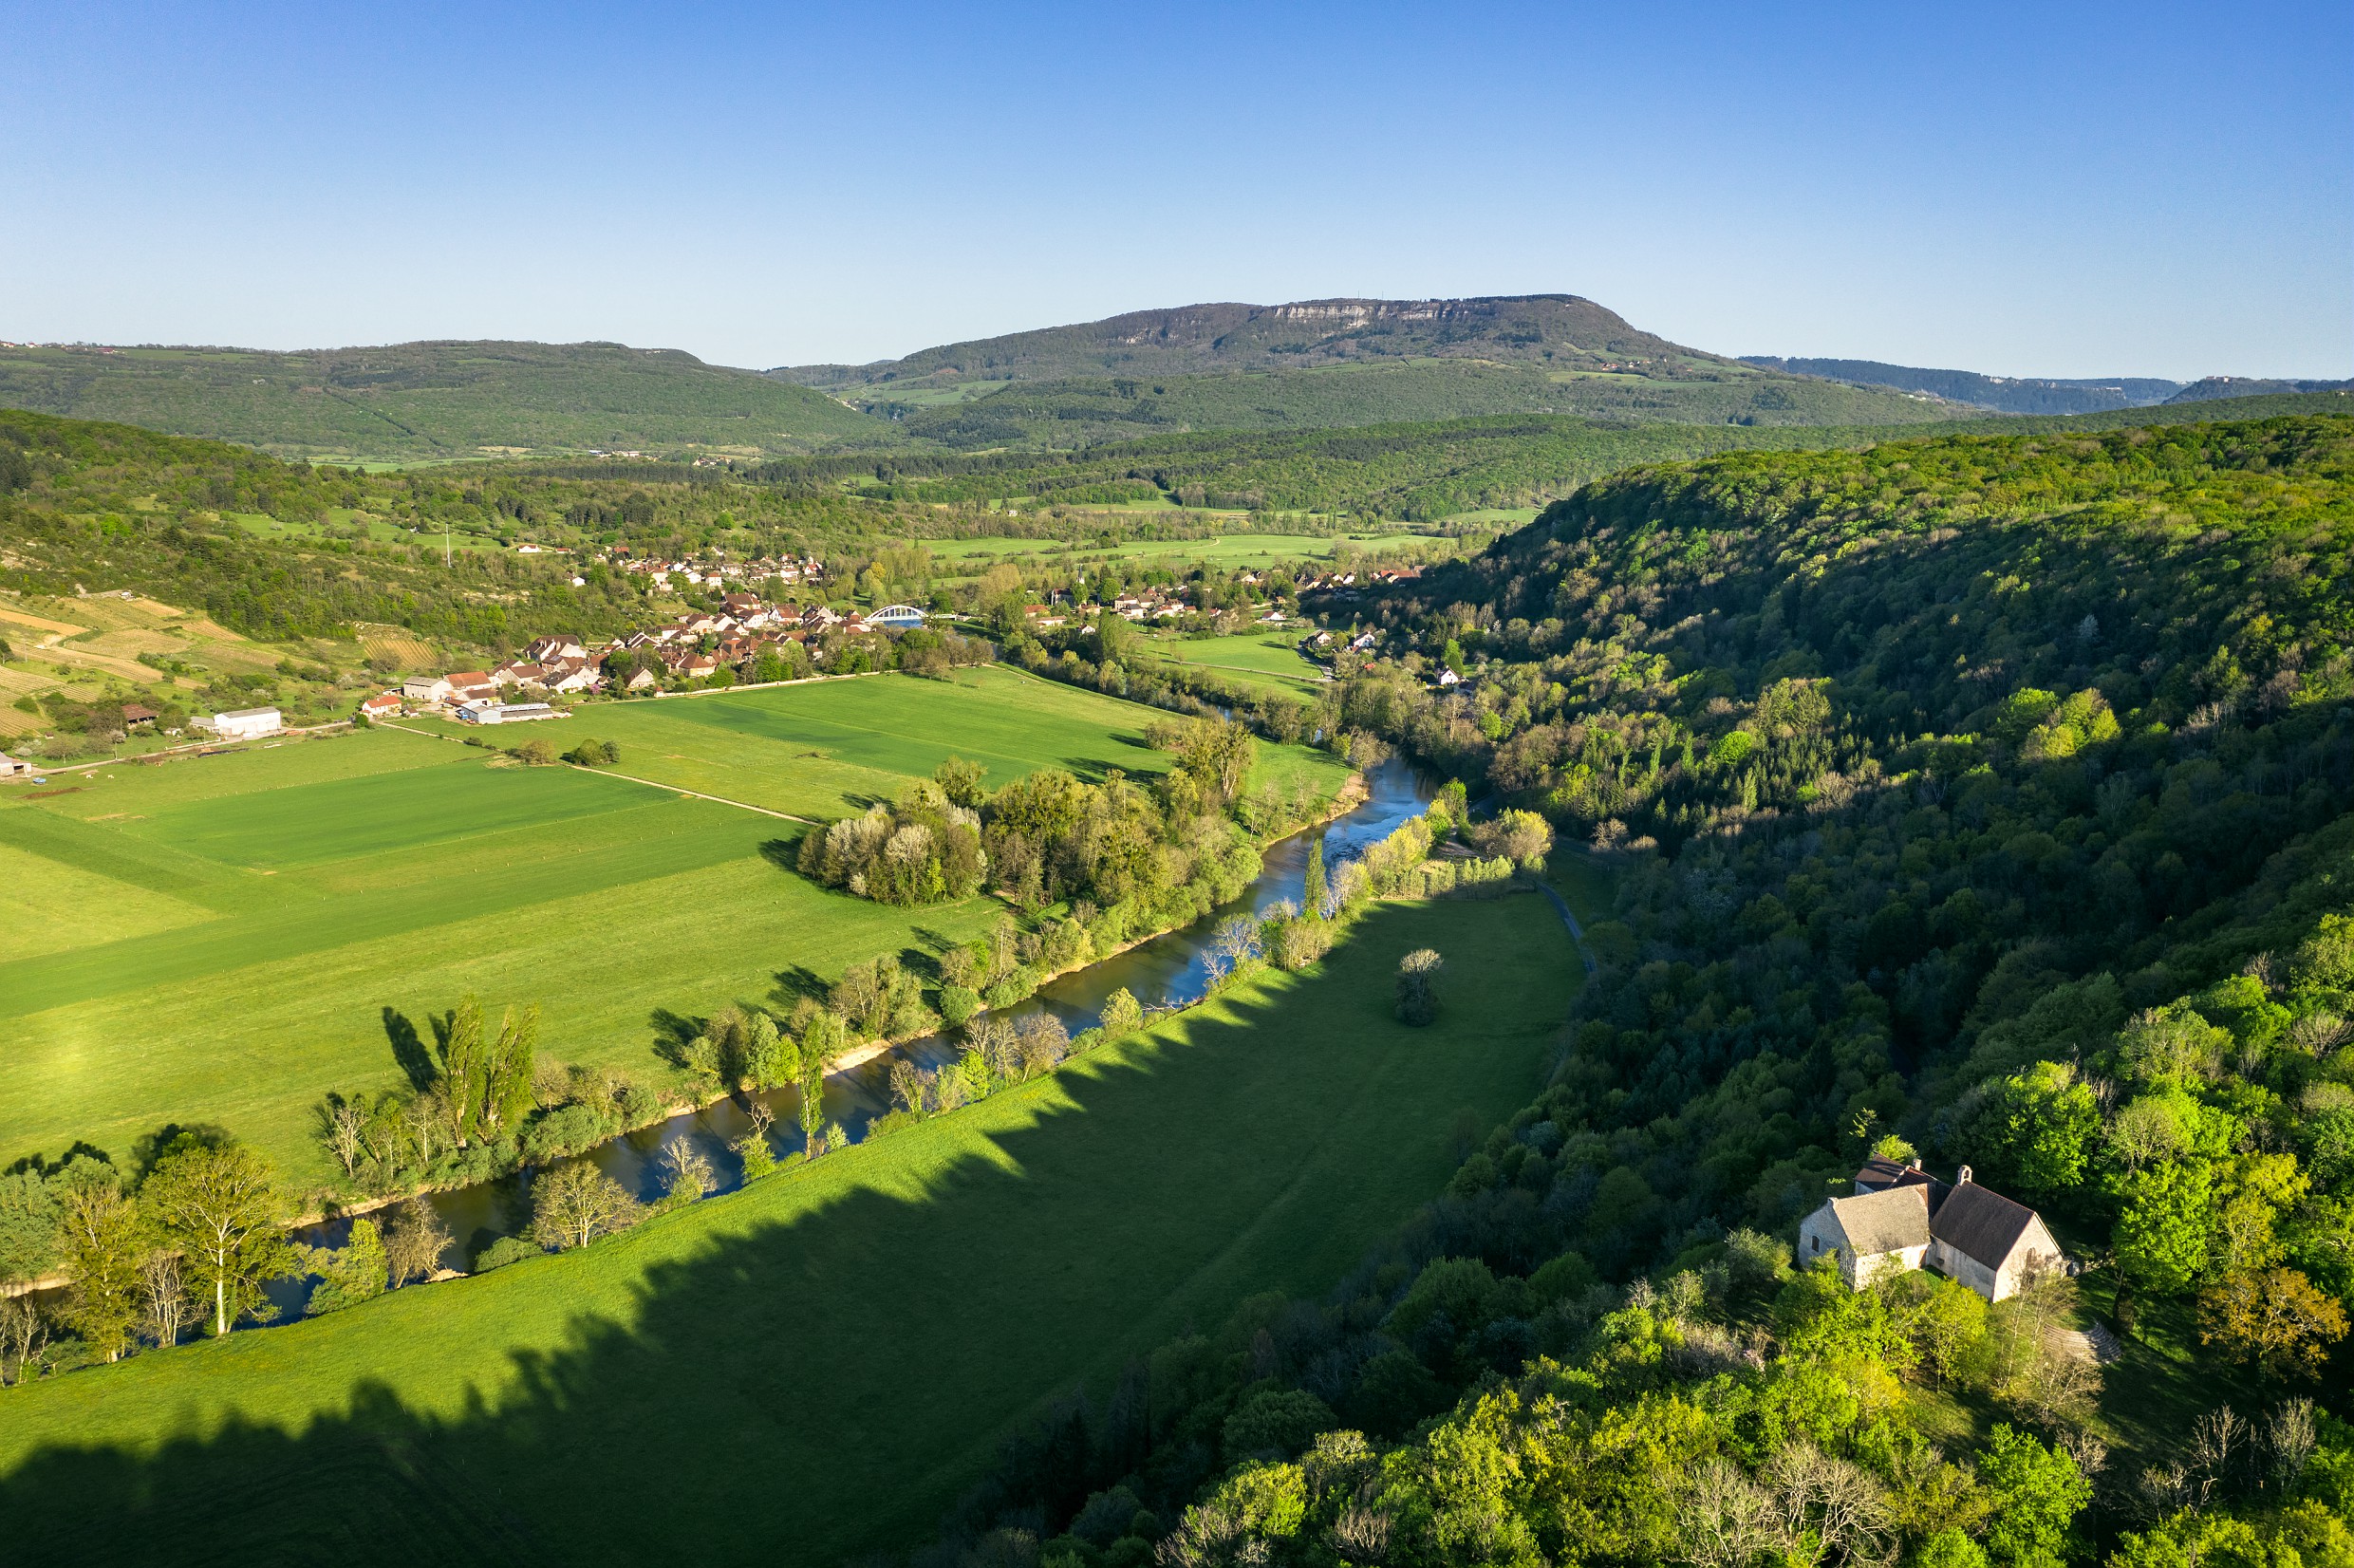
[2004, 394]
[413, 401]
[1985, 798]
[1068, 412]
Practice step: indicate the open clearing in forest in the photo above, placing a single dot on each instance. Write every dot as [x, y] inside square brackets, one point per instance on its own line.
[817, 1365]
[217, 940]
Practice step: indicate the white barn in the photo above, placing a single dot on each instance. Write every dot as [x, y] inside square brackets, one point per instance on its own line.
[246, 723]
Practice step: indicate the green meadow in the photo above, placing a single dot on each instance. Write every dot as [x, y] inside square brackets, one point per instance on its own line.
[830, 748]
[814, 1366]
[1269, 658]
[218, 940]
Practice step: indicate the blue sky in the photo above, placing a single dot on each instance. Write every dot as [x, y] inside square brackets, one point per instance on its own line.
[2029, 190]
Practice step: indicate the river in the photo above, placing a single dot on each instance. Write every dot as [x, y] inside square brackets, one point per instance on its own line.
[1170, 970]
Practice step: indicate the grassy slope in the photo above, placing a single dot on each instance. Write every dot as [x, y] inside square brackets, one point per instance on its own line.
[433, 399]
[818, 1365]
[309, 889]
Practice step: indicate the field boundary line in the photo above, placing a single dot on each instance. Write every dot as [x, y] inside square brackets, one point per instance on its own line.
[718, 799]
[633, 778]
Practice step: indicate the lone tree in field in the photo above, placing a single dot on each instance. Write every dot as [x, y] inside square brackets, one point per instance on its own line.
[220, 1208]
[1418, 985]
[573, 1204]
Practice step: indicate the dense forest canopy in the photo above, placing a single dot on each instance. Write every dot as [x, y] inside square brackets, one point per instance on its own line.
[1984, 798]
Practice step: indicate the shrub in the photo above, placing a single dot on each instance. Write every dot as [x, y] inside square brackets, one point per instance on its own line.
[1015, 987]
[1122, 1014]
[507, 1249]
[959, 1003]
[1417, 986]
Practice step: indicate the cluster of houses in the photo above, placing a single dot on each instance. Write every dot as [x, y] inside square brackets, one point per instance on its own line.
[1344, 585]
[690, 646]
[1901, 1218]
[718, 571]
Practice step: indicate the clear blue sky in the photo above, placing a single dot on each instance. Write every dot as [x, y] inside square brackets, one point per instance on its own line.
[2045, 188]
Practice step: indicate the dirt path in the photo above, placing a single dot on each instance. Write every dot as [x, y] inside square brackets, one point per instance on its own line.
[1577, 932]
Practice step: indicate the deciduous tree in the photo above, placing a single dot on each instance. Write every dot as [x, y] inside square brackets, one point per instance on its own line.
[219, 1207]
[2273, 1318]
[574, 1203]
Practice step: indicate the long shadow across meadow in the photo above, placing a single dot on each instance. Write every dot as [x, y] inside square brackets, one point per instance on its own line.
[818, 1365]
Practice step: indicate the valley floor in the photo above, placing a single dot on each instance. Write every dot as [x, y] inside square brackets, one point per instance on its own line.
[820, 1364]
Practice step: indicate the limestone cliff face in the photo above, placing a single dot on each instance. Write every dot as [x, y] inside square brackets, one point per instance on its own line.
[1558, 329]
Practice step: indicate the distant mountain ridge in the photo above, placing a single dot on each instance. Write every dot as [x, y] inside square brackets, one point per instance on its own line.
[1558, 329]
[2004, 394]
[2213, 387]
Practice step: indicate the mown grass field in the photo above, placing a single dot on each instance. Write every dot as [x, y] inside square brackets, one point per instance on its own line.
[832, 748]
[218, 940]
[817, 1365]
[1269, 658]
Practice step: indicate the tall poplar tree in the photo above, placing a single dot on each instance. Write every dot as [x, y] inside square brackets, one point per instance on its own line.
[1312, 896]
[461, 1066]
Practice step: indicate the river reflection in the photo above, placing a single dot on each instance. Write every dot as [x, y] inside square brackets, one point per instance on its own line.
[1168, 971]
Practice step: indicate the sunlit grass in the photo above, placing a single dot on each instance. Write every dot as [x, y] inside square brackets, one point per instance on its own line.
[818, 1365]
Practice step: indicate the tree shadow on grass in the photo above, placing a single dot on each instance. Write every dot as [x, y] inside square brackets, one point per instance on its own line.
[797, 982]
[783, 854]
[819, 1325]
[408, 1051]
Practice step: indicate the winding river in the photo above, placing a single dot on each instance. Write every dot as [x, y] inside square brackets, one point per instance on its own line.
[1169, 970]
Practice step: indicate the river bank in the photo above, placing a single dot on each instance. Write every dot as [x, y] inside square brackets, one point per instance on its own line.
[1165, 970]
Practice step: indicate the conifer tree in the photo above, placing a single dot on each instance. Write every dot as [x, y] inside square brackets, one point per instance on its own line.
[1314, 894]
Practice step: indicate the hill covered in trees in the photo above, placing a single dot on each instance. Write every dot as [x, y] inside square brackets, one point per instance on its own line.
[2003, 394]
[1066, 412]
[1556, 329]
[407, 402]
[1327, 364]
[1987, 798]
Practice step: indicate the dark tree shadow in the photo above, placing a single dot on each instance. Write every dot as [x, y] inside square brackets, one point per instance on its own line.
[673, 1032]
[150, 1147]
[40, 1166]
[408, 1049]
[798, 982]
[783, 854]
[747, 1345]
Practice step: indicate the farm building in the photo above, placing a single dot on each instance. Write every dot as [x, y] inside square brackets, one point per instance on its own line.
[1901, 1218]
[426, 689]
[382, 705]
[244, 723]
[508, 713]
[11, 768]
